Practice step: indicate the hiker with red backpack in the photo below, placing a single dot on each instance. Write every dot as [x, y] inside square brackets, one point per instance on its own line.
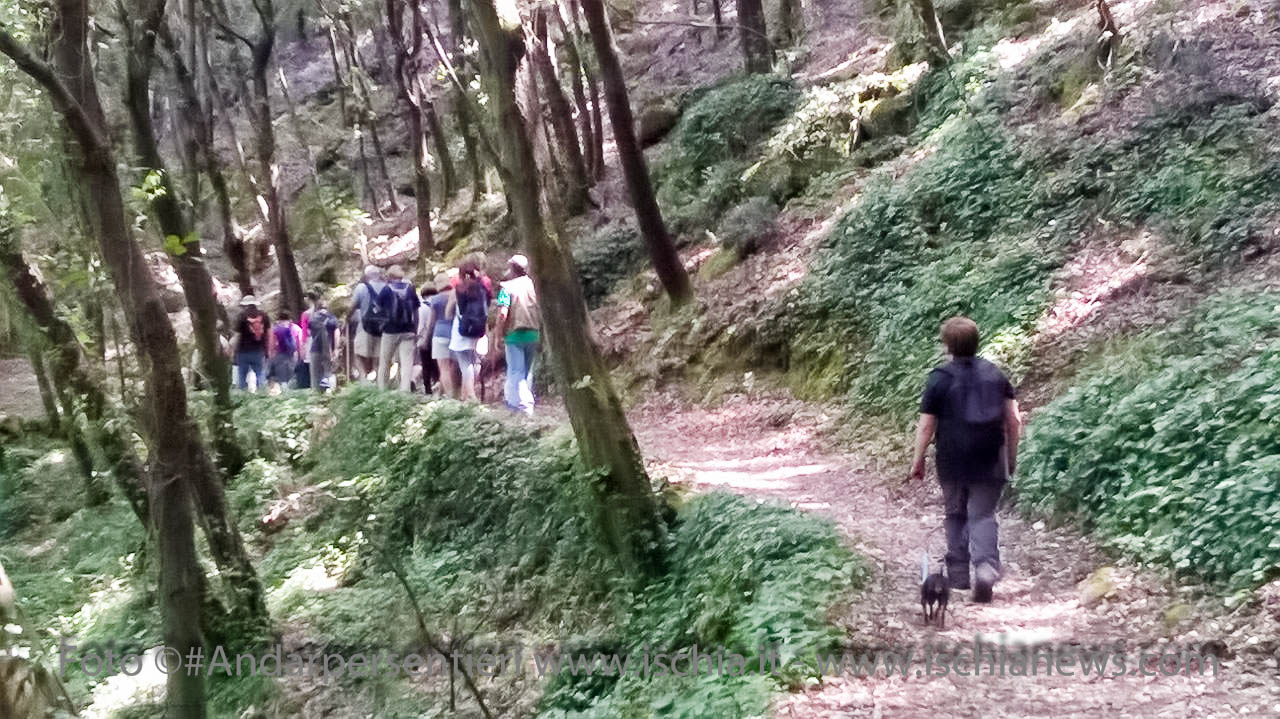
[469, 310]
[968, 406]
[398, 302]
[252, 344]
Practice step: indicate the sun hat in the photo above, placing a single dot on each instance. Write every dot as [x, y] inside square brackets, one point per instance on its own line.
[248, 300]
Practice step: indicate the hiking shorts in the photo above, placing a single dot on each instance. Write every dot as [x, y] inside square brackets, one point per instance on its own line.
[366, 344]
[440, 348]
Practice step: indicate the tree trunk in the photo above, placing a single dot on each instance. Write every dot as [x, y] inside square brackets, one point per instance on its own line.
[935, 42]
[576, 197]
[757, 52]
[367, 111]
[185, 252]
[719, 18]
[662, 251]
[593, 87]
[790, 23]
[458, 39]
[411, 100]
[71, 380]
[435, 129]
[625, 502]
[576, 71]
[269, 177]
[177, 453]
[52, 417]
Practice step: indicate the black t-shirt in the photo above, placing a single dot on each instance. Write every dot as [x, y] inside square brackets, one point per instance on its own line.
[253, 327]
[967, 395]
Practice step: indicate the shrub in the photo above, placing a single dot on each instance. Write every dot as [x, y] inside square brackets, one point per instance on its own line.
[749, 226]
[605, 257]
[1170, 449]
[729, 119]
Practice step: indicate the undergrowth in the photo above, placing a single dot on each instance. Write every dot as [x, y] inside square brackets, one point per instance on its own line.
[1169, 447]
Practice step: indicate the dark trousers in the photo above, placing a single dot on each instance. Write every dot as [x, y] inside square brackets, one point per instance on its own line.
[972, 535]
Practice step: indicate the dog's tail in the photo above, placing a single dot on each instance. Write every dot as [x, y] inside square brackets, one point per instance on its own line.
[924, 565]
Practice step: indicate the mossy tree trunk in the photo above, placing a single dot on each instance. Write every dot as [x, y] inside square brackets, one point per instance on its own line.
[576, 72]
[662, 251]
[176, 229]
[406, 58]
[576, 198]
[625, 502]
[177, 454]
[73, 382]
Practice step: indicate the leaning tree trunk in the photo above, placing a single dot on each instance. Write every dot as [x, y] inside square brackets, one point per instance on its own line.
[662, 251]
[177, 454]
[180, 240]
[757, 52]
[625, 502]
[576, 198]
[73, 382]
[935, 42]
[269, 174]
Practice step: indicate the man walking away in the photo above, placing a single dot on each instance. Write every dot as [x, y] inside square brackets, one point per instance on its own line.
[969, 406]
[399, 303]
[519, 321]
[368, 320]
[251, 344]
[322, 333]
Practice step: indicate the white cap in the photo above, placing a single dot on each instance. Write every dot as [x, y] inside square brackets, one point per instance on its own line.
[248, 300]
[520, 261]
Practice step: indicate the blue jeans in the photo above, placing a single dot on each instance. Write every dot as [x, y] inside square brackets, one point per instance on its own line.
[255, 362]
[518, 390]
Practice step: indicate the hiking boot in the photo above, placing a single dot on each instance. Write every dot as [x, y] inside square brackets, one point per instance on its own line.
[986, 579]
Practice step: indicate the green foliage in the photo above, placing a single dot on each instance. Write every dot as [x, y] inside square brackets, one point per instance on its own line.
[741, 574]
[729, 119]
[745, 229]
[699, 175]
[605, 257]
[1170, 447]
[916, 250]
[979, 225]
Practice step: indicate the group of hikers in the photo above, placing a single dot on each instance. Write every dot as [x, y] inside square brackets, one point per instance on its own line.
[432, 339]
[436, 339]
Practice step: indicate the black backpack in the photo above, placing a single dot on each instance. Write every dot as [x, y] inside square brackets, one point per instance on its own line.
[401, 312]
[975, 398]
[473, 312]
[372, 316]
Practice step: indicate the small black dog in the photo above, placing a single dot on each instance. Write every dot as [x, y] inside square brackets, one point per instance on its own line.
[935, 593]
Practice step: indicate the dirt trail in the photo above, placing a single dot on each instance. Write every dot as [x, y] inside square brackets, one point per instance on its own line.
[774, 448]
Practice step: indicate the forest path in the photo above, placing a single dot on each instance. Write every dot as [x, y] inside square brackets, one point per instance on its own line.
[775, 449]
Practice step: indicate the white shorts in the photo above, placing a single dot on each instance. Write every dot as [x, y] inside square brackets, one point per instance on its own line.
[440, 348]
[366, 344]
